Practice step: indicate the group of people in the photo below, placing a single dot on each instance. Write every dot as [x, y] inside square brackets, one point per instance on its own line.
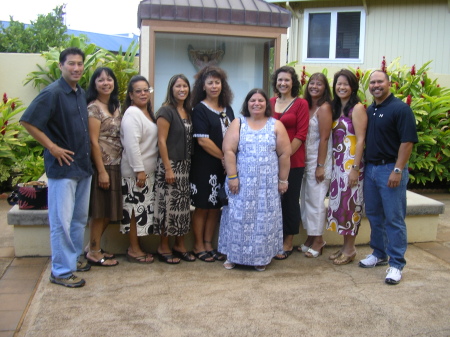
[146, 170]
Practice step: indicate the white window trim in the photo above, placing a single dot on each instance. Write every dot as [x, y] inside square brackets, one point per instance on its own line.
[333, 27]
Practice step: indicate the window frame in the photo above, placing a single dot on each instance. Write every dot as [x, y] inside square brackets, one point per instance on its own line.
[333, 32]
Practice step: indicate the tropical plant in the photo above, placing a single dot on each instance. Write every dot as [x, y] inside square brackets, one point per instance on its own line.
[18, 150]
[123, 65]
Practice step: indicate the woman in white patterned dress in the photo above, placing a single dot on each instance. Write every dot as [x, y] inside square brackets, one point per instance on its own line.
[316, 179]
[138, 133]
[257, 160]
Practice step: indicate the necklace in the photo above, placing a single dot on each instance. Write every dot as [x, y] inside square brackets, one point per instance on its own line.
[98, 99]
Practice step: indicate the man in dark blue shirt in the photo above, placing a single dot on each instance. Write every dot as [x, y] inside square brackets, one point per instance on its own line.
[391, 134]
[58, 119]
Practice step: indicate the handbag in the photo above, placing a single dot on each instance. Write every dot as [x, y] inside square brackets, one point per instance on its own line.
[31, 195]
[223, 197]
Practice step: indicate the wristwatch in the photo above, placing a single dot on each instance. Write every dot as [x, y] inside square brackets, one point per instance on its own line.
[355, 167]
[397, 170]
[320, 165]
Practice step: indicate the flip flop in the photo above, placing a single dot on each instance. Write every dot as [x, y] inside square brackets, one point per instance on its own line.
[186, 256]
[140, 259]
[101, 262]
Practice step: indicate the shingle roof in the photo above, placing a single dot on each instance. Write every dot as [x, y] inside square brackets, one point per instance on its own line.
[240, 12]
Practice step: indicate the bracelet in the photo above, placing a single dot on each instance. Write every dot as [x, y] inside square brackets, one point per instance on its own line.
[234, 176]
[283, 181]
[320, 165]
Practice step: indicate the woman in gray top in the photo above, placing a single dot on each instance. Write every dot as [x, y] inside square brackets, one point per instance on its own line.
[172, 207]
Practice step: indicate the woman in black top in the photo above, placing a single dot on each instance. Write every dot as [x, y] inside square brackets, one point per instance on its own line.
[211, 116]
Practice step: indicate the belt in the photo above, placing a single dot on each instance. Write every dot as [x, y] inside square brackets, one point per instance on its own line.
[382, 161]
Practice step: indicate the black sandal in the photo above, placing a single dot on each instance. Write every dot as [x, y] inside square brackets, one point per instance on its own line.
[216, 255]
[167, 258]
[186, 256]
[112, 256]
[204, 256]
[283, 255]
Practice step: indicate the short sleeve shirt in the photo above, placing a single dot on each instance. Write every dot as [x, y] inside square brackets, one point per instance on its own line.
[207, 123]
[61, 113]
[389, 124]
[109, 136]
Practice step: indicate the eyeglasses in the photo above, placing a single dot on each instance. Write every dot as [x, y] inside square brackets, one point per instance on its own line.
[224, 118]
[140, 91]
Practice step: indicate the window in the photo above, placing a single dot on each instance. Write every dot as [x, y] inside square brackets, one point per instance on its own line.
[335, 35]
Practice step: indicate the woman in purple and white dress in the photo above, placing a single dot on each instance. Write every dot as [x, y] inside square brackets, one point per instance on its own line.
[346, 188]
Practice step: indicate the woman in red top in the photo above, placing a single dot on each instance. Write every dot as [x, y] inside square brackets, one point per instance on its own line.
[292, 111]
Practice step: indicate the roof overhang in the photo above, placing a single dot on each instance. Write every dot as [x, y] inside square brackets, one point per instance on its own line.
[239, 12]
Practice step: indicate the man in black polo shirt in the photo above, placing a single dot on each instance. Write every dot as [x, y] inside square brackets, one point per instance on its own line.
[58, 119]
[391, 134]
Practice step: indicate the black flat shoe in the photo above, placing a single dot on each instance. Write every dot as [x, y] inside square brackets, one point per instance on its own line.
[216, 255]
[283, 255]
[186, 256]
[168, 258]
[204, 256]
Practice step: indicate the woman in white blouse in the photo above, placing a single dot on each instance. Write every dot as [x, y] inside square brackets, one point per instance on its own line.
[138, 133]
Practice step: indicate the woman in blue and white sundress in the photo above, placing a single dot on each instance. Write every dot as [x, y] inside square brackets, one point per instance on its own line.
[257, 160]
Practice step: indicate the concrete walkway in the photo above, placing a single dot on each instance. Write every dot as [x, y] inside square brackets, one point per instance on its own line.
[21, 289]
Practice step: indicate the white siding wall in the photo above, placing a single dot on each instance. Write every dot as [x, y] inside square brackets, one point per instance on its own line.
[415, 30]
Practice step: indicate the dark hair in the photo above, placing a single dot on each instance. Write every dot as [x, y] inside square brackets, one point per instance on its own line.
[295, 82]
[244, 110]
[92, 93]
[170, 99]
[70, 51]
[380, 71]
[354, 85]
[133, 80]
[326, 97]
[198, 94]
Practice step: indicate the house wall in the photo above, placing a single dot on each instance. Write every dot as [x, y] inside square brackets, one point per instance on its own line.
[415, 30]
[13, 71]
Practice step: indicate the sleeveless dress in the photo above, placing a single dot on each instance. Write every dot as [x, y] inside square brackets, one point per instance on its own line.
[251, 229]
[346, 203]
[312, 194]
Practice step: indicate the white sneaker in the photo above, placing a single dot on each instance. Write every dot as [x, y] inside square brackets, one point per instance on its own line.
[393, 276]
[371, 261]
